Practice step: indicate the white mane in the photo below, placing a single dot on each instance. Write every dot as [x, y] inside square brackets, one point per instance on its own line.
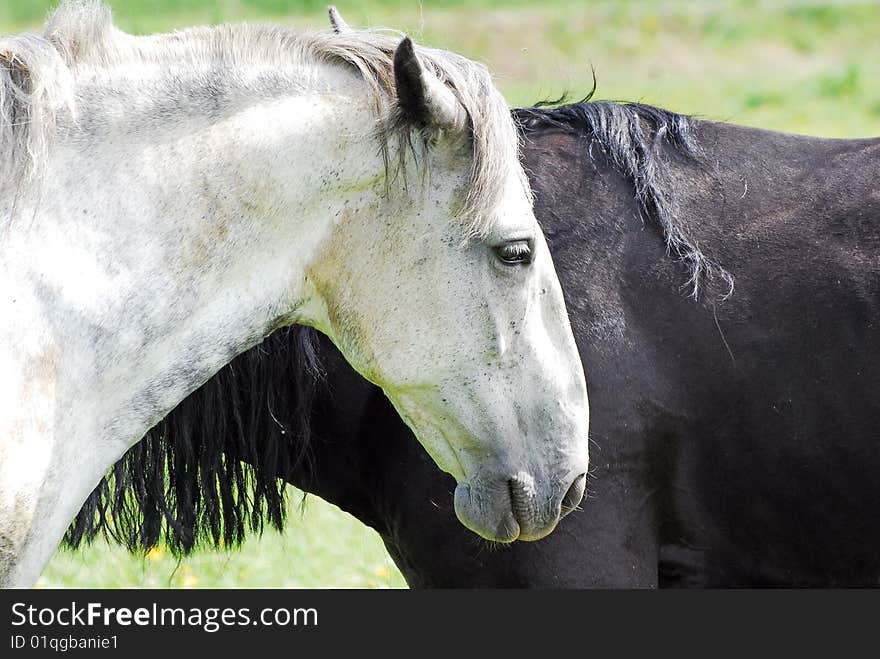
[38, 75]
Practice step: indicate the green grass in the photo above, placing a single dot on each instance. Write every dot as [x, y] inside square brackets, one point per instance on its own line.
[808, 67]
[322, 547]
[812, 68]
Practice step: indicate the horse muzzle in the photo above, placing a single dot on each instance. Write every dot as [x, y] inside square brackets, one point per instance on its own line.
[516, 507]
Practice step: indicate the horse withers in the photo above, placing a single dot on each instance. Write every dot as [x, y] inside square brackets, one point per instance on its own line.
[168, 201]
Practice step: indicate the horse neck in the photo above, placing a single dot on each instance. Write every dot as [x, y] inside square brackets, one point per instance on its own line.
[757, 185]
[193, 209]
[148, 254]
[738, 187]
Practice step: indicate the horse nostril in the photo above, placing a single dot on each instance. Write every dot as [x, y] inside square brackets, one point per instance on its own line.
[574, 495]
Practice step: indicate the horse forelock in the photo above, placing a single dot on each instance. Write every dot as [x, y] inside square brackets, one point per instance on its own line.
[631, 135]
[80, 37]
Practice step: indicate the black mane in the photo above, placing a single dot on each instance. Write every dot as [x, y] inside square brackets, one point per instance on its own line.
[209, 472]
[632, 137]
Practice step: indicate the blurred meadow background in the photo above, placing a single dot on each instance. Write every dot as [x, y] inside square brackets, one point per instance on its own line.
[799, 66]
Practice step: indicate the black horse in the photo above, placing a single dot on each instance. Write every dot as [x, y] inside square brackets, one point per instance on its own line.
[724, 288]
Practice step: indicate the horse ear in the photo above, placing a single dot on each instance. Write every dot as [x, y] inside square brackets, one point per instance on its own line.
[337, 22]
[421, 97]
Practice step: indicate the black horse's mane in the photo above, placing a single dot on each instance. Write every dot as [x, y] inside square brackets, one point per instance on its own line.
[209, 472]
[632, 137]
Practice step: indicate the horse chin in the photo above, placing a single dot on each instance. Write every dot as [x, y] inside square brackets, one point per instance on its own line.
[490, 513]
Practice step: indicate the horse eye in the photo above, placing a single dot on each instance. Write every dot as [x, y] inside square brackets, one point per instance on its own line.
[517, 252]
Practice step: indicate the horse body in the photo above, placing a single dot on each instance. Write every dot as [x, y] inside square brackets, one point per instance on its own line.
[173, 199]
[734, 435]
[776, 448]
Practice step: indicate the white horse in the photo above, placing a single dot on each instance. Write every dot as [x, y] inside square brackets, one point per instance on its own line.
[168, 201]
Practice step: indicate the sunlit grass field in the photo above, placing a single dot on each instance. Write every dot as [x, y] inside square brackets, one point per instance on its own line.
[807, 67]
[322, 547]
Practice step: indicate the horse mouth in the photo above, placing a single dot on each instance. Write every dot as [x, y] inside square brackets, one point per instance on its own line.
[504, 514]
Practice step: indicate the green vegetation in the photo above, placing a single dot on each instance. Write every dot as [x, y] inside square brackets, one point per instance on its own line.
[809, 67]
[321, 548]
